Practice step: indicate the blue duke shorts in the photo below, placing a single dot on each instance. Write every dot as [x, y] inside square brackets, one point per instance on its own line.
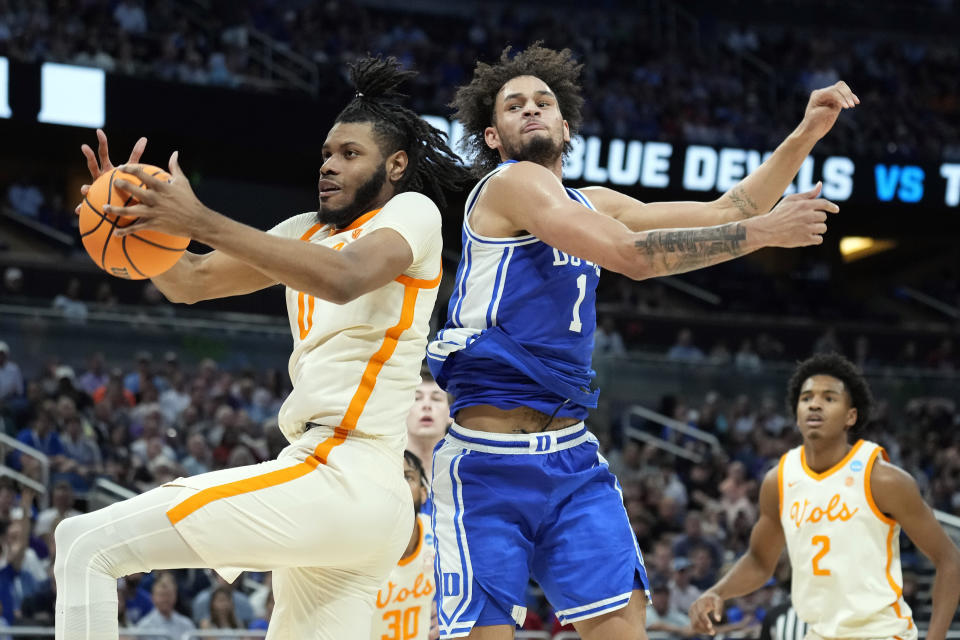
[508, 506]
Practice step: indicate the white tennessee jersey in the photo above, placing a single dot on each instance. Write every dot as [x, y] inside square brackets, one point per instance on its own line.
[357, 365]
[844, 552]
[405, 603]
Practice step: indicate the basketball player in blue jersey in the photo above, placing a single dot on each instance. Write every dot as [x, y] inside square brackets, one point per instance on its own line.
[518, 484]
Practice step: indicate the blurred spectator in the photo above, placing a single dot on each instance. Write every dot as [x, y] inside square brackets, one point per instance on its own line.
[682, 592]
[607, 340]
[95, 376]
[12, 282]
[130, 16]
[241, 604]
[222, 613]
[198, 459]
[61, 506]
[684, 350]
[25, 198]
[746, 358]
[11, 380]
[69, 303]
[136, 600]
[693, 536]
[163, 618]
[662, 616]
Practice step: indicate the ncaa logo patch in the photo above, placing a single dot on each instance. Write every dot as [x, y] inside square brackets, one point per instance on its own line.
[856, 466]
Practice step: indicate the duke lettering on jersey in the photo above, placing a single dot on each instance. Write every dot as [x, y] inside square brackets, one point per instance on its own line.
[844, 551]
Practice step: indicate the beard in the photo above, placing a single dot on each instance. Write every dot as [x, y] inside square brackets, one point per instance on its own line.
[362, 202]
[542, 150]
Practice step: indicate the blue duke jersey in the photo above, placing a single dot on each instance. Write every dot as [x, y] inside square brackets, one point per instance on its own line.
[520, 324]
[506, 507]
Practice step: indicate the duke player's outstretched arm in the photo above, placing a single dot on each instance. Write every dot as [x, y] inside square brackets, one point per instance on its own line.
[526, 196]
[754, 195]
[753, 569]
[897, 496]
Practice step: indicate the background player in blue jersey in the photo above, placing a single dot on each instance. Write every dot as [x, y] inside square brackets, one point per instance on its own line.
[518, 484]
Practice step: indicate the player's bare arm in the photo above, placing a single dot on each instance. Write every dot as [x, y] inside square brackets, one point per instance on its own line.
[527, 197]
[754, 195]
[337, 276]
[753, 569]
[195, 277]
[897, 496]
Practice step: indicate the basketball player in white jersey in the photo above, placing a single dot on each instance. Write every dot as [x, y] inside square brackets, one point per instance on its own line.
[331, 515]
[406, 608]
[838, 507]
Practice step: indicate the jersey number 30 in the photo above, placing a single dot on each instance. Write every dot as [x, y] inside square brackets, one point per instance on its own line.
[575, 324]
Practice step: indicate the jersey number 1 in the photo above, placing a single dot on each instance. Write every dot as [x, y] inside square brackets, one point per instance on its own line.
[575, 324]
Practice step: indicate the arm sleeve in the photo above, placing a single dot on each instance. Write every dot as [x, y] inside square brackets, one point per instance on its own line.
[415, 217]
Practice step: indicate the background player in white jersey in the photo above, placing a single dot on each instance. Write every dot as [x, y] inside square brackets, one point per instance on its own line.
[406, 607]
[519, 487]
[427, 421]
[332, 514]
[838, 507]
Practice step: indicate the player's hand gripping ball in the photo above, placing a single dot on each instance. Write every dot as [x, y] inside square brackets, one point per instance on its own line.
[140, 255]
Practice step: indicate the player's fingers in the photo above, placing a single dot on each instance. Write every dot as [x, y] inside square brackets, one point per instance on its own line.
[811, 194]
[137, 170]
[175, 170]
[84, 189]
[821, 204]
[137, 150]
[819, 228]
[141, 194]
[92, 165]
[77, 210]
[103, 150]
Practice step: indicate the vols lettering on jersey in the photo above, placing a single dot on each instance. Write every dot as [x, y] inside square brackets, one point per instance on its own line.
[388, 331]
[405, 603]
[520, 323]
[844, 551]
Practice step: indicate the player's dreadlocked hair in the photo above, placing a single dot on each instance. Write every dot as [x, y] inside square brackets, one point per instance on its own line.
[835, 366]
[433, 167]
[475, 102]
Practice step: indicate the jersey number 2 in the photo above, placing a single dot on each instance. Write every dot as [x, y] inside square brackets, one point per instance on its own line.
[575, 324]
[824, 542]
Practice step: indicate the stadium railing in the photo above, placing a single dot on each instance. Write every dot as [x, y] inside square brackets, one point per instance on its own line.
[39, 456]
[669, 423]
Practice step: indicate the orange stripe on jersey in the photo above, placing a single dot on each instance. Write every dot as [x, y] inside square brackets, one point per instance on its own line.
[405, 561]
[407, 281]
[305, 325]
[897, 589]
[829, 472]
[356, 223]
[369, 378]
[783, 460]
[206, 496]
[312, 230]
[869, 490]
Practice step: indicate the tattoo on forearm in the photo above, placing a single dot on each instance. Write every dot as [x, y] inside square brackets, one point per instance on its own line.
[688, 249]
[742, 201]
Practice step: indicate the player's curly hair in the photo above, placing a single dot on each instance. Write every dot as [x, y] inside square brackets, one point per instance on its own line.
[836, 366]
[433, 167]
[415, 462]
[474, 103]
